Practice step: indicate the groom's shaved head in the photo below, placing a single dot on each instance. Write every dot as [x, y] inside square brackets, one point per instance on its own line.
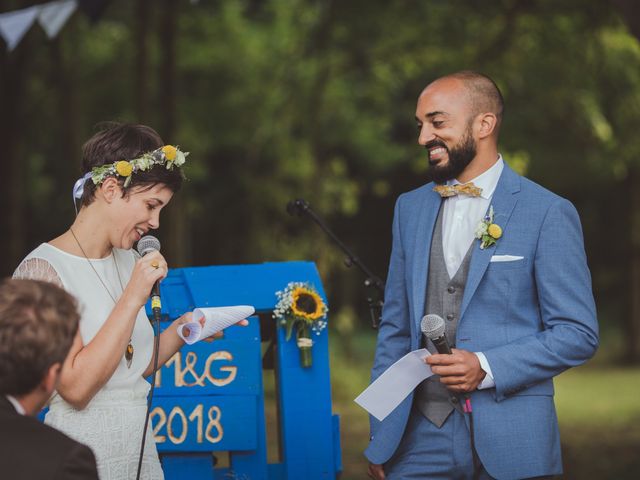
[483, 94]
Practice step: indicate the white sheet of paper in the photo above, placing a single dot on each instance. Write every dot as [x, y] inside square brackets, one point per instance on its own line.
[392, 387]
[216, 319]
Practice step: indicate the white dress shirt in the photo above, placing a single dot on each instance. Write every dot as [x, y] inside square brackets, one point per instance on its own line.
[460, 219]
[16, 404]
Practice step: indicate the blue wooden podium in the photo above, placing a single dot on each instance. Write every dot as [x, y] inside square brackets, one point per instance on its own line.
[209, 397]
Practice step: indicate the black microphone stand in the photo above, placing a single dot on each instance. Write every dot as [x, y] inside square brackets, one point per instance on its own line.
[374, 286]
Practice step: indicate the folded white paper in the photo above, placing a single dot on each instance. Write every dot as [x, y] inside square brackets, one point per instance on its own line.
[392, 387]
[215, 320]
[505, 258]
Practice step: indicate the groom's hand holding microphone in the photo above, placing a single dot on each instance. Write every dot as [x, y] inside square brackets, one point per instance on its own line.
[459, 370]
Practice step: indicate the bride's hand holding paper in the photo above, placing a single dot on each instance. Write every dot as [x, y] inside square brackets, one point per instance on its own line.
[188, 318]
[208, 323]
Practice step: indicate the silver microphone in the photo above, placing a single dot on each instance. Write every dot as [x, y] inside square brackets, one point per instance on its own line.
[148, 244]
[433, 328]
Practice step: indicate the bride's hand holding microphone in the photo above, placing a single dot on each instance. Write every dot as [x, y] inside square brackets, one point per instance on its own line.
[147, 271]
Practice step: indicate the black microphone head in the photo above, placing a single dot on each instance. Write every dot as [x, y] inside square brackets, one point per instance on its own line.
[432, 326]
[297, 207]
[147, 244]
[291, 207]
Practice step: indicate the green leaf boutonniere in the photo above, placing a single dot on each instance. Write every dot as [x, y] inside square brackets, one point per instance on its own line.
[488, 232]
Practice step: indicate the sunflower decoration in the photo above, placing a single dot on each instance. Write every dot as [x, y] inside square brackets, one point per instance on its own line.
[300, 306]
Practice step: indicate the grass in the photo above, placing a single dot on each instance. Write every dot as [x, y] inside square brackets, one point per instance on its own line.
[598, 409]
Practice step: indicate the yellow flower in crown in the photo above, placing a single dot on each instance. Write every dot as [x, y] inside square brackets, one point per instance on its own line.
[494, 230]
[124, 168]
[169, 152]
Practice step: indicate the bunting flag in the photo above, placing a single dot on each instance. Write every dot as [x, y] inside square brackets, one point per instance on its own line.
[53, 16]
[14, 25]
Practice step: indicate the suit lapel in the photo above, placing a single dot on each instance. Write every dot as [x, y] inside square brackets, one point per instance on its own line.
[503, 201]
[427, 216]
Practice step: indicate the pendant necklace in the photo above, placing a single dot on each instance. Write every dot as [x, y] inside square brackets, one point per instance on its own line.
[128, 354]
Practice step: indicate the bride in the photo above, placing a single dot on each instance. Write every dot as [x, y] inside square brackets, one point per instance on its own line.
[130, 176]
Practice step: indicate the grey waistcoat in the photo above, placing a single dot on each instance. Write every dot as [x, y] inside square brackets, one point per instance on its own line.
[444, 298]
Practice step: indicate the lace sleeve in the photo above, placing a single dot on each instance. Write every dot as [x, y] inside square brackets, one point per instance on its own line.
[37, 269]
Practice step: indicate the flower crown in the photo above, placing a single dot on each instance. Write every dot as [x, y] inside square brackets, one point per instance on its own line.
[168, 155]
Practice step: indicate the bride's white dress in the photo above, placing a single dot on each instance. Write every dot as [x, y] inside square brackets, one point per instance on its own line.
[112, 422]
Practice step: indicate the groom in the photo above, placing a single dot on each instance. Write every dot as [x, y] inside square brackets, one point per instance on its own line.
[517, 302]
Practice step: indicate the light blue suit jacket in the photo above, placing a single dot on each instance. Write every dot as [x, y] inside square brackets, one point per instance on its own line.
[532, 318]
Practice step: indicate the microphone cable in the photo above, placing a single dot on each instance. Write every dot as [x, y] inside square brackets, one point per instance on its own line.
[148, 244]
[466, 407]
[433, 328]
[156, 352]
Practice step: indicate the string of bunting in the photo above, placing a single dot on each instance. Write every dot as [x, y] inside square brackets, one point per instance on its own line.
[52, 17]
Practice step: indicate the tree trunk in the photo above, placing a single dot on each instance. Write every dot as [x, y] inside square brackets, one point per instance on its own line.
[176, 224]
[66, 172]
[12, 225]
[630, 13]
[631, 325]
[141, 94]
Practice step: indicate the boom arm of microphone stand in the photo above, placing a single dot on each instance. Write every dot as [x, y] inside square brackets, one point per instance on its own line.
[372, 281]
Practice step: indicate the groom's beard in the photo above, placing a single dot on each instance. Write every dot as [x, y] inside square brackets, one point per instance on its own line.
[458, 158]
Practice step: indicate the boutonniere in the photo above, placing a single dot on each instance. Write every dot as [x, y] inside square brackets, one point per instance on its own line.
[488, 232]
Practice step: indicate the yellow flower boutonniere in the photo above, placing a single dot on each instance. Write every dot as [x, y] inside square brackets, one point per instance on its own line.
[488, 232]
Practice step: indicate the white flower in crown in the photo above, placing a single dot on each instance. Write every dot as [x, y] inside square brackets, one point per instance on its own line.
[180, 158]
[145, 163]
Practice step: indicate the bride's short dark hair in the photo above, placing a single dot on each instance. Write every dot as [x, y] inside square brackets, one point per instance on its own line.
[124, 141]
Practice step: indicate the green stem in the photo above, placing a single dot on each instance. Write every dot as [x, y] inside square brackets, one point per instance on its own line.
[305, 351]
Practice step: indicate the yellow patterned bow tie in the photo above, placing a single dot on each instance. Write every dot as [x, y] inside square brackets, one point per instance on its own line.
[468, 189]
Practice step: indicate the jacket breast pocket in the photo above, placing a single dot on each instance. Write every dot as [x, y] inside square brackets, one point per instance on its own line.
[507, 266]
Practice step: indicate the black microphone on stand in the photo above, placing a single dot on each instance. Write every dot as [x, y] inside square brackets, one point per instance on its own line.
[148, 244]
[433, 328]
[301, 207]
[297, 207]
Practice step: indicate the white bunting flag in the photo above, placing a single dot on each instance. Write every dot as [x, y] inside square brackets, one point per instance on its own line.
[54, 15]
[13, 25]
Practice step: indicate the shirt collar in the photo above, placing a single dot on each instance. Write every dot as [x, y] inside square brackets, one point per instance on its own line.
[487, 180]
[16, 404]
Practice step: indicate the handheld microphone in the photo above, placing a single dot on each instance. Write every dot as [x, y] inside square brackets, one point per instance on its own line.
[297, 207]
[148, 244]
[433, 328]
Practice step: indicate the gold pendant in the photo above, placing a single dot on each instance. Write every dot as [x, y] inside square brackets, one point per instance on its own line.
[128, 355]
